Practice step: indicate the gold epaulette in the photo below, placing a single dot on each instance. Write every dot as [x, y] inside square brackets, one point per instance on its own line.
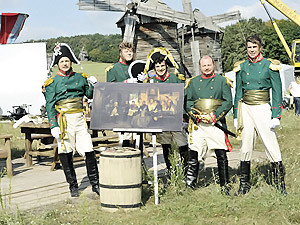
[275, 64]
[181, 76]
[109, 68]
[48, 82]
[237, 67]
[84, 75]
[188, 81]
[228, 81]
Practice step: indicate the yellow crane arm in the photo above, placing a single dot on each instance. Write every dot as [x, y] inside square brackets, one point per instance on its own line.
[285, 45]
[285, 10]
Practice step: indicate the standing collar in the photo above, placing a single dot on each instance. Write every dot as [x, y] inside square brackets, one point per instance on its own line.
[209, 76]
[163, 77]
[65, 74]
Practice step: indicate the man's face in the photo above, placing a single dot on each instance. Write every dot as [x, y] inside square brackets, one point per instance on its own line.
[64, 64]
[126, 54]
[253, 49]
[160, 68]
[207, 66]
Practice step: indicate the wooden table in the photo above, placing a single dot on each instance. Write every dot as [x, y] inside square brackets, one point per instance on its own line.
[33, 131]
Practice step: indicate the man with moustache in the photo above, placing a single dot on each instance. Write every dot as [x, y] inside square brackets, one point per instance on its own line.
[208, 99]
[64, 94]
[253, 115]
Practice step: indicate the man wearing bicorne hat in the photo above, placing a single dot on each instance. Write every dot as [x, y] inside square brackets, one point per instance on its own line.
[208, 100]
[253, 115]
[64, 103]
[159, 59]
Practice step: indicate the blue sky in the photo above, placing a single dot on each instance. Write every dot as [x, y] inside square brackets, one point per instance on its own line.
[55, 18]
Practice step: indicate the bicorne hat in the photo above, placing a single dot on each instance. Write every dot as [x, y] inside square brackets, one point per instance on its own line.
[63, 50]
[161, 54]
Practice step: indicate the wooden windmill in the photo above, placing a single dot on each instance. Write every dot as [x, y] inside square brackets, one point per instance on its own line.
[151, 23]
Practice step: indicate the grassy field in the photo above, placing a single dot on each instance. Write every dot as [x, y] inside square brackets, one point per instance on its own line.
[205, 205]
[90, 68]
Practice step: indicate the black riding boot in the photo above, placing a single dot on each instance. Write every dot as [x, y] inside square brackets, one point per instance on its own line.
[192, 171]
[66, 160]
[278, 177]
[222, 162]
[166, 152]
[244, 178]
[184, 155]
[92, 171]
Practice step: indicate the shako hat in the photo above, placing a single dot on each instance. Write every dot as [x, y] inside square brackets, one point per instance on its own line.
[160, 53]
[63, 50]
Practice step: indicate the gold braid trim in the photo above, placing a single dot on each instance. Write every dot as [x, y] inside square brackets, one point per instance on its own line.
[228, 81]
[180, 76]
[275, 64]
[48, 82]
[163, 51]
[237, 66]
[84, 75]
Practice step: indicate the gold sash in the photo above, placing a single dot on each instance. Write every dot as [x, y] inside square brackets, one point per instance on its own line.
[70, 105]
[256, 97]
[207, 105]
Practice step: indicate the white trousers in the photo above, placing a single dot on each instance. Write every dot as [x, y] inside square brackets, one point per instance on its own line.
[79, 138]
[205, 138]
[257, 120]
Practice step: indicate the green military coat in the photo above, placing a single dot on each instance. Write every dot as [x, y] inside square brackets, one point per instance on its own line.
[171, 79]
[61, 87]
[262, 75]
[214, 87]
[117, 73]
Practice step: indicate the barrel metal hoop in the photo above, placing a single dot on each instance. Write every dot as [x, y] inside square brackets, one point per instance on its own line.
[121, 186]
[121, 206]
[120, 156]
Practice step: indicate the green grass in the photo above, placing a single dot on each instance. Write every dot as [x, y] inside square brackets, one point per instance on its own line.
[90, 68]
[205, 205]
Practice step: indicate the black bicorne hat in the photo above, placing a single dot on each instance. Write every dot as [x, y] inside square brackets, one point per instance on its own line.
[63, 50]
[136, 68]
[159, 54]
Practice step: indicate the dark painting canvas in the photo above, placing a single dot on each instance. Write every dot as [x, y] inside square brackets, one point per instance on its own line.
[137, 106]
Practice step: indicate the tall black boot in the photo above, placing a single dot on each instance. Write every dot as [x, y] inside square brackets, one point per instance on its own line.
[66, 160]
[244, 178]
[166, 152]
[278, 177]
[193, 168]
[92, 171]
[184, 155]
[222, 162]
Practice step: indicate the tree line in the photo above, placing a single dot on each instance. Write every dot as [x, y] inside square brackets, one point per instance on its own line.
[104, 48]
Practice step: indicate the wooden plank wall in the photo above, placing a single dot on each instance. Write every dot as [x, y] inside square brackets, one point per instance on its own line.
[209, 44]
[151, 35]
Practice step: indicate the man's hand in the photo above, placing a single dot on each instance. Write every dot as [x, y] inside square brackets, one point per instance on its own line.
[235, 123]
[205, 118]
[55, 132]
[92, 80]
[141, 76]
[130, 80]
[275, 122]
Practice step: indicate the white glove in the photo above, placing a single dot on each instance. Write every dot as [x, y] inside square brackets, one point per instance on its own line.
[141, 76]
[55, 132]
[275, 122]
[235, 123]
[92, 80]
[130, 80]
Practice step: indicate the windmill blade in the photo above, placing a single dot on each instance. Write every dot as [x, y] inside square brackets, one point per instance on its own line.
[221, 18]
[103, 5]
[129, 32]
[158, 9]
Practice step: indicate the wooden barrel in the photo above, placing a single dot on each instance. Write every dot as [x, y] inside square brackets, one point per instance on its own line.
[120, 178]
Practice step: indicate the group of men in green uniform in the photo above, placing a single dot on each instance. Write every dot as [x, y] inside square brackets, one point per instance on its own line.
[208, 100]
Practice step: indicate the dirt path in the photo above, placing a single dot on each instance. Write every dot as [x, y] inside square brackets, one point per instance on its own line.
[37, 186]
